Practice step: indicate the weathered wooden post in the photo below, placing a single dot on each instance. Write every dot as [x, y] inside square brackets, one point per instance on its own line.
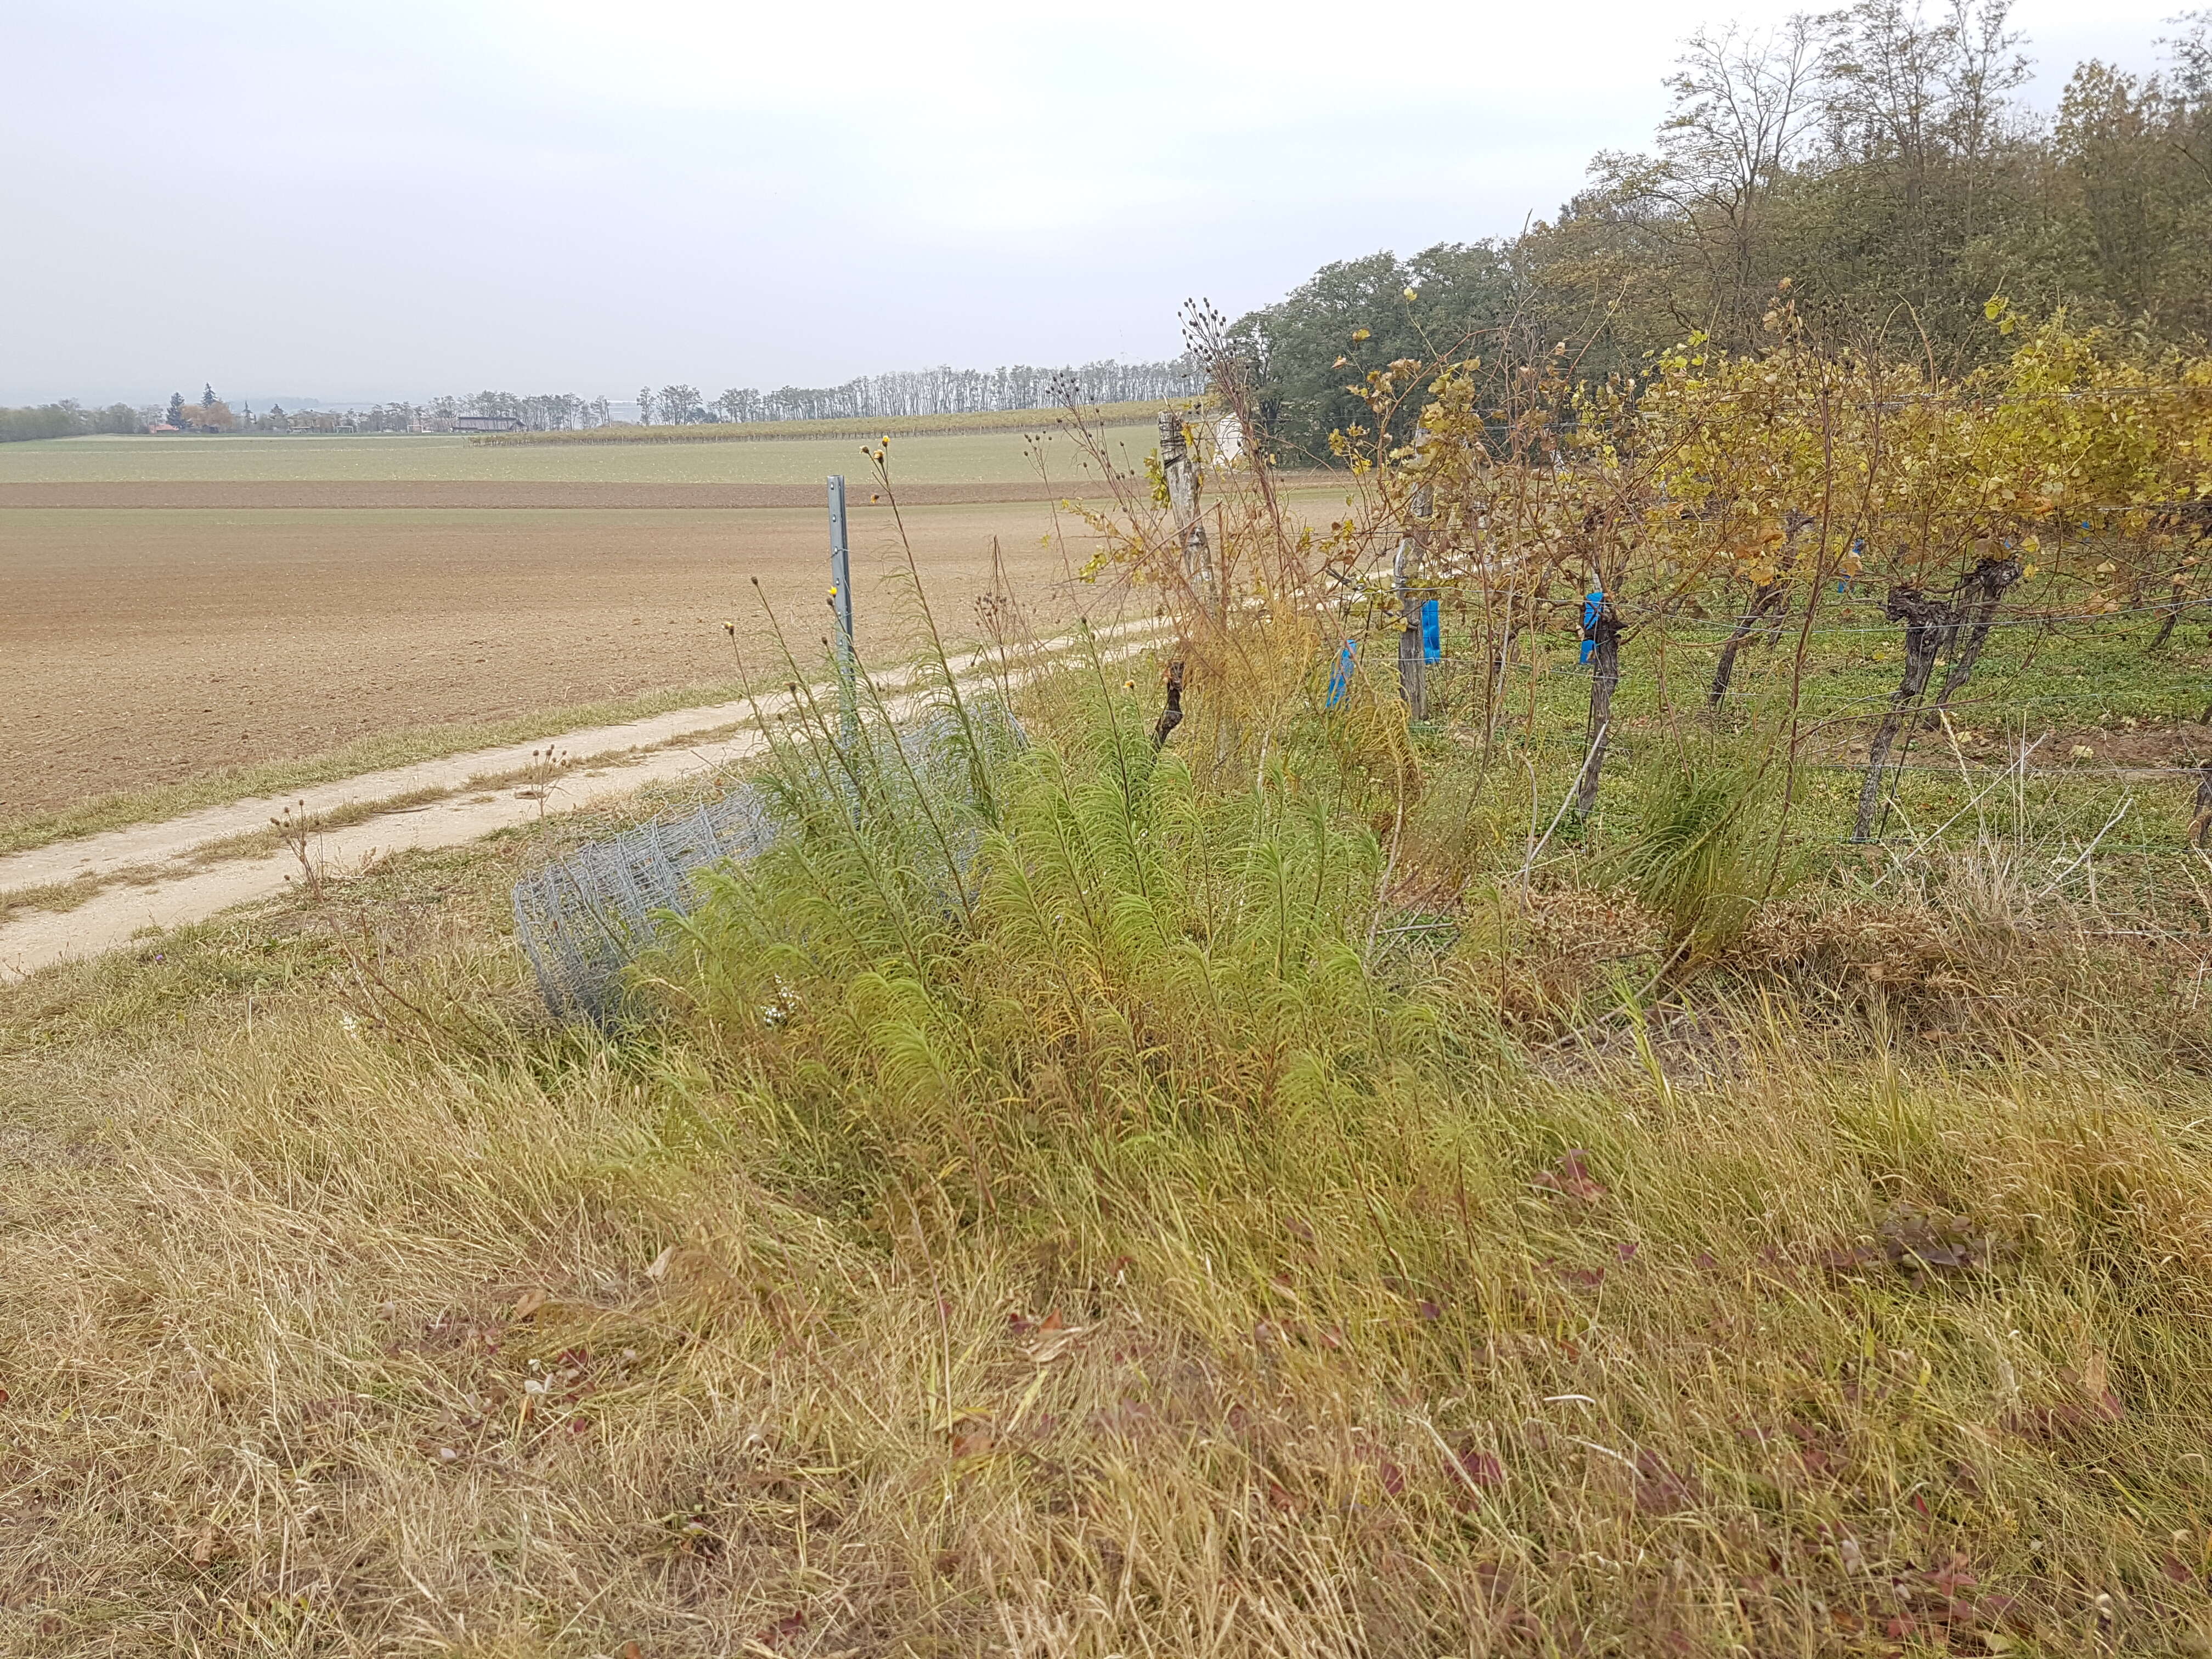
[1183, 497]
[841, 605]
[1405, 571]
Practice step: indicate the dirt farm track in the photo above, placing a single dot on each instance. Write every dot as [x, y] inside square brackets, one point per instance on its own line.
[155, 631]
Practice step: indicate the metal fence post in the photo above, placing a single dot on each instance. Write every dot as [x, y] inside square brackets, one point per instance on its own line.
[841, 604]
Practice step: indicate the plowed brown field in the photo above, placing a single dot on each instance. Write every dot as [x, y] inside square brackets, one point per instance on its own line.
[456, 493]
[150, 644]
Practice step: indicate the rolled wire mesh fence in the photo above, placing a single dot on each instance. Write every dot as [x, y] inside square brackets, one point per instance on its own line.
[582, 919]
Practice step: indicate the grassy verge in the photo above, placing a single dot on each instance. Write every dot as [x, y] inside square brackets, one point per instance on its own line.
[1006, 420]
[1077, 1204]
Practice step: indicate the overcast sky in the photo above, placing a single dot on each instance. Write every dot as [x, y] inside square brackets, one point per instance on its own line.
[400, 198]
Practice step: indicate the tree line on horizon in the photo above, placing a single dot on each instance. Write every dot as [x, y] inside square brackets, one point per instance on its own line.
[1876, 161]
[939, 390]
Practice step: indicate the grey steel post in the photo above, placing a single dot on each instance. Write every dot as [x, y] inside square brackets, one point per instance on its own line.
[840, 604]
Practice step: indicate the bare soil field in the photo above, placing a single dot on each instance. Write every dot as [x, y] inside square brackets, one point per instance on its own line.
[466, 493]
[933, 459]
[145, 645]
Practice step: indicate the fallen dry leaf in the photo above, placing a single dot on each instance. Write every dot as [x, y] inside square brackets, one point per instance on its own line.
[658, 1267]
[528, 1304]
[1481, 1468]
[2096, 1373]
[1570, 1177]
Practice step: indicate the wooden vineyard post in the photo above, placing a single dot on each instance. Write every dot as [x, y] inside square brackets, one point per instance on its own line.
[1183, 497]
[841, 605]
[1405, 571]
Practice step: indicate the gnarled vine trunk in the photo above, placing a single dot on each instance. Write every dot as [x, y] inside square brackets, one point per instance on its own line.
[1763, 598]
[1605, 680]
[2174, 607]
[1980, 593]
[1929, 624]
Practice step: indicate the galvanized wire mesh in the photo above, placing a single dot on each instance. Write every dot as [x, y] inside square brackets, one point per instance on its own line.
[584, 918]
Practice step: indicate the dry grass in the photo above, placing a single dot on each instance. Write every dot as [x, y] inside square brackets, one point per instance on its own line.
[48, 896]
[1213, 1294]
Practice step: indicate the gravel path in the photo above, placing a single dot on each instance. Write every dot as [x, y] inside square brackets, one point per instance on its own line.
[177, 876]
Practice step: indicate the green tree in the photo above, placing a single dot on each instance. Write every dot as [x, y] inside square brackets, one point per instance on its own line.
[2134, 165]
[1313, 347]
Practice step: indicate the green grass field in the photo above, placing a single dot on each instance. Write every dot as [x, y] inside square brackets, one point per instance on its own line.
[2093, 686]
[952, 459]
[1003, 420]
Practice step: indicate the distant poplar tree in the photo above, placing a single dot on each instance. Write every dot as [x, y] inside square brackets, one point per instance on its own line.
[645, 405]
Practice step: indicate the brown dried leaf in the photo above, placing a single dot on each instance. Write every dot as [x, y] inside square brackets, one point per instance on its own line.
[1570, 1177]
[1479, 1471]
[2096, 1373]
[790, 1624]
[1659, 1490]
